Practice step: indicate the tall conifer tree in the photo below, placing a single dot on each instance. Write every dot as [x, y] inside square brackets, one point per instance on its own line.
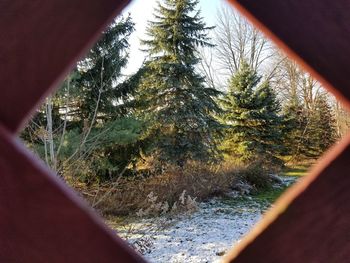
[294, 129]
[321, 128]
[176, 101]
[99, 81]
[100, 129]
[251, 113]
[103, 95]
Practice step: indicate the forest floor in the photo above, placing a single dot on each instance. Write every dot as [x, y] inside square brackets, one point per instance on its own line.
[206, 234]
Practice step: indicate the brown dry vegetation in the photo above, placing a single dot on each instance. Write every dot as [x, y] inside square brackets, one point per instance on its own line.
[128, 195]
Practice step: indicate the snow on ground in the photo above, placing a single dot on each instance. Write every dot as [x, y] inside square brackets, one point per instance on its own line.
[203, 236]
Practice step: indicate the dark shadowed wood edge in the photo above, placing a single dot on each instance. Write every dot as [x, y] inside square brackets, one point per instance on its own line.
[42, 221]
[311, 221]
[40, 42]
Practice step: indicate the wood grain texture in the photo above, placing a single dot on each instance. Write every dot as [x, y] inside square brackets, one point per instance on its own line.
[39, 43]
[311, 222]
[43, 222]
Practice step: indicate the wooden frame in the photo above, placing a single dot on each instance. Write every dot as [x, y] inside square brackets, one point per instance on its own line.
[41, 220]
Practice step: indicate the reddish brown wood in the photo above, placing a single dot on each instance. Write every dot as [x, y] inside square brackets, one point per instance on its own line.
[315, 33]
[39, 43]
[311, 222]
[43, 222]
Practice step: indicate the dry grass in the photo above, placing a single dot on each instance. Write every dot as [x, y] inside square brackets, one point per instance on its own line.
[128, 195]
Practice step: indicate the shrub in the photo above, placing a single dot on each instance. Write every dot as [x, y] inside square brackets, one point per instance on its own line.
[257, 176]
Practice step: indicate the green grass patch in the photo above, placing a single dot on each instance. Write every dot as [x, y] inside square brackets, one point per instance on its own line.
[272, 194]
[296, 170]
[264, 197]
[261, 200]
[269, 196]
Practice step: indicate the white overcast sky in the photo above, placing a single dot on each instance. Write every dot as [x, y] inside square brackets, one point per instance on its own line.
[141, 11]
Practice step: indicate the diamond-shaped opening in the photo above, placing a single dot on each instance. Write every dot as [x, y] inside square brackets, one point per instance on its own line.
[179, 183]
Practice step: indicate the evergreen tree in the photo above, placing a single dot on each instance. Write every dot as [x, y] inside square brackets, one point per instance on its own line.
[103, 96]
[251, 113]
[309, 132]
[99, 83]
[321, 130]
[177, 104]
[96, 136]
[295, 129]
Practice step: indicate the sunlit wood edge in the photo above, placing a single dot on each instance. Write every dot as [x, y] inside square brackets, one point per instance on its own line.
[293, 192]
[290, 53]
[282, 203]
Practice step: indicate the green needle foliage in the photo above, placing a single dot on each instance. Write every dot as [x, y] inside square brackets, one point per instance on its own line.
[95, 136]
[99, 81]
[104, 115]
[309, 133]
[176, 102]
[321, 128]
[253, 120]
[294, 130]
[102, 124]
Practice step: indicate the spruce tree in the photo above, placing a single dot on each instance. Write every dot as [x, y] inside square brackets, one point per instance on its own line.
[95, 134]
[100, 135]
[309, 132]
[295, 130]
[321, 130]
[103, 99]
[99, 84]
[253, 120]
[176, 102]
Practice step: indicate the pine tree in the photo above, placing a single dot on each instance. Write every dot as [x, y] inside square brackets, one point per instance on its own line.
[253, 120]
[176, 102]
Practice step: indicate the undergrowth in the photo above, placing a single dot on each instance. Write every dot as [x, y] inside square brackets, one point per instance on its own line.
[162, 193]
